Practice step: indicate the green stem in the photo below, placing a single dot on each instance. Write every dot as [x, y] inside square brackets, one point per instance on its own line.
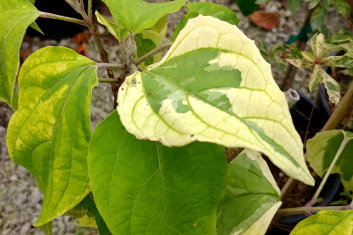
[302, 210]
[63, 18]
[107, 80]
[90, 12]
[328, 172]
[151, 53]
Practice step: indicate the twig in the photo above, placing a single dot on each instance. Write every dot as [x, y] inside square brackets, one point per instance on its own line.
[302, 210]
[90, 12]
[63, 18]
[152, 52]
[107, 80]
[111, 66]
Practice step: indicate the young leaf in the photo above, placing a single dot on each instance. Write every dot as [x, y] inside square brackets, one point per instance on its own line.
[116, 29]
[341, 6]
[49, 133]
[324, 147]
[252, 196]
[326, 222]
[15, 17]
[317, 45]
[332, 87]
[143, 187]
[207, 9]
[213, 86]
[138, 15]
[247, 6]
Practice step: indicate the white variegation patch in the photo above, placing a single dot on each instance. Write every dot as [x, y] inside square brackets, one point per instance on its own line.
[257, 102]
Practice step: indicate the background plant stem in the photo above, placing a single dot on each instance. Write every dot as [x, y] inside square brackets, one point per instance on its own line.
[302, 210]
[63, 18]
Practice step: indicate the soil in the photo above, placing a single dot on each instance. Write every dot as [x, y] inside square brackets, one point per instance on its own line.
[20, 202]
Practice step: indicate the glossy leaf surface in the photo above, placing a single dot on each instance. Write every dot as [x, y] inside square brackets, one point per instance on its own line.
[326, 222]
[137, 15]
[252, 196]
[15, 17]
[324, 147]
[213, 86]
[143, 187]
[49, 133]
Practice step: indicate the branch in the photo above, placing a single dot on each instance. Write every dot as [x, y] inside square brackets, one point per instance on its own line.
[302, 210]
[107, 80]
[152, 52]
[111, 66]
[63, 18]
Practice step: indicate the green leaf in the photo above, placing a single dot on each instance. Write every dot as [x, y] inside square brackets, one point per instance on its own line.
[252, 197]
[213, 86]
[207, 9]
[149, 39]
[326, 222]
[15, 17]
[49, 133]
[293, 5]
[138, 15]
[341, 6]
[247, 6]
[318, 17]
[47, 228]
[143, 187]
[116, 29]
[325, 147]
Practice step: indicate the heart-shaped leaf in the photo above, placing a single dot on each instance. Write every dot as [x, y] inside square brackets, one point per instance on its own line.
[213, 86]
[332, 147]
[252, 196]
[137, 15]
[15, 17]
[326, 222]
[49, 133]
[143, 187]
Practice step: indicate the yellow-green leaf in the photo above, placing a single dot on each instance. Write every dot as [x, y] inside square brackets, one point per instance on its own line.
[49, 133]
[332, 147]
[113, 26]
[326, 222]
[138, 15]
[15, 17]
[252, 197]
[213, 86]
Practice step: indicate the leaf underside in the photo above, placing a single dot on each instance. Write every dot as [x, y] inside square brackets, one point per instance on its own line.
[143, 187]
[15, 17]
[49, 133]
[213, 86]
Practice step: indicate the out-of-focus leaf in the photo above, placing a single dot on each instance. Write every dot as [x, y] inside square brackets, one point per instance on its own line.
[313, 3]
[252, 196]
[308, 56]
[345, 61]
[341, 6]
[266, 20]
[324, 147]
[247, 6]
[326, 222]
[293, 5]
[317, 19]
[207, 9]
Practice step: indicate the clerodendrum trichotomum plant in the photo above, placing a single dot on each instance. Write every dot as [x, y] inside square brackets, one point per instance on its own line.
[157, 164]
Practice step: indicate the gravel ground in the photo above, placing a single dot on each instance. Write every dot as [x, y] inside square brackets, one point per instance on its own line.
[20, 200]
